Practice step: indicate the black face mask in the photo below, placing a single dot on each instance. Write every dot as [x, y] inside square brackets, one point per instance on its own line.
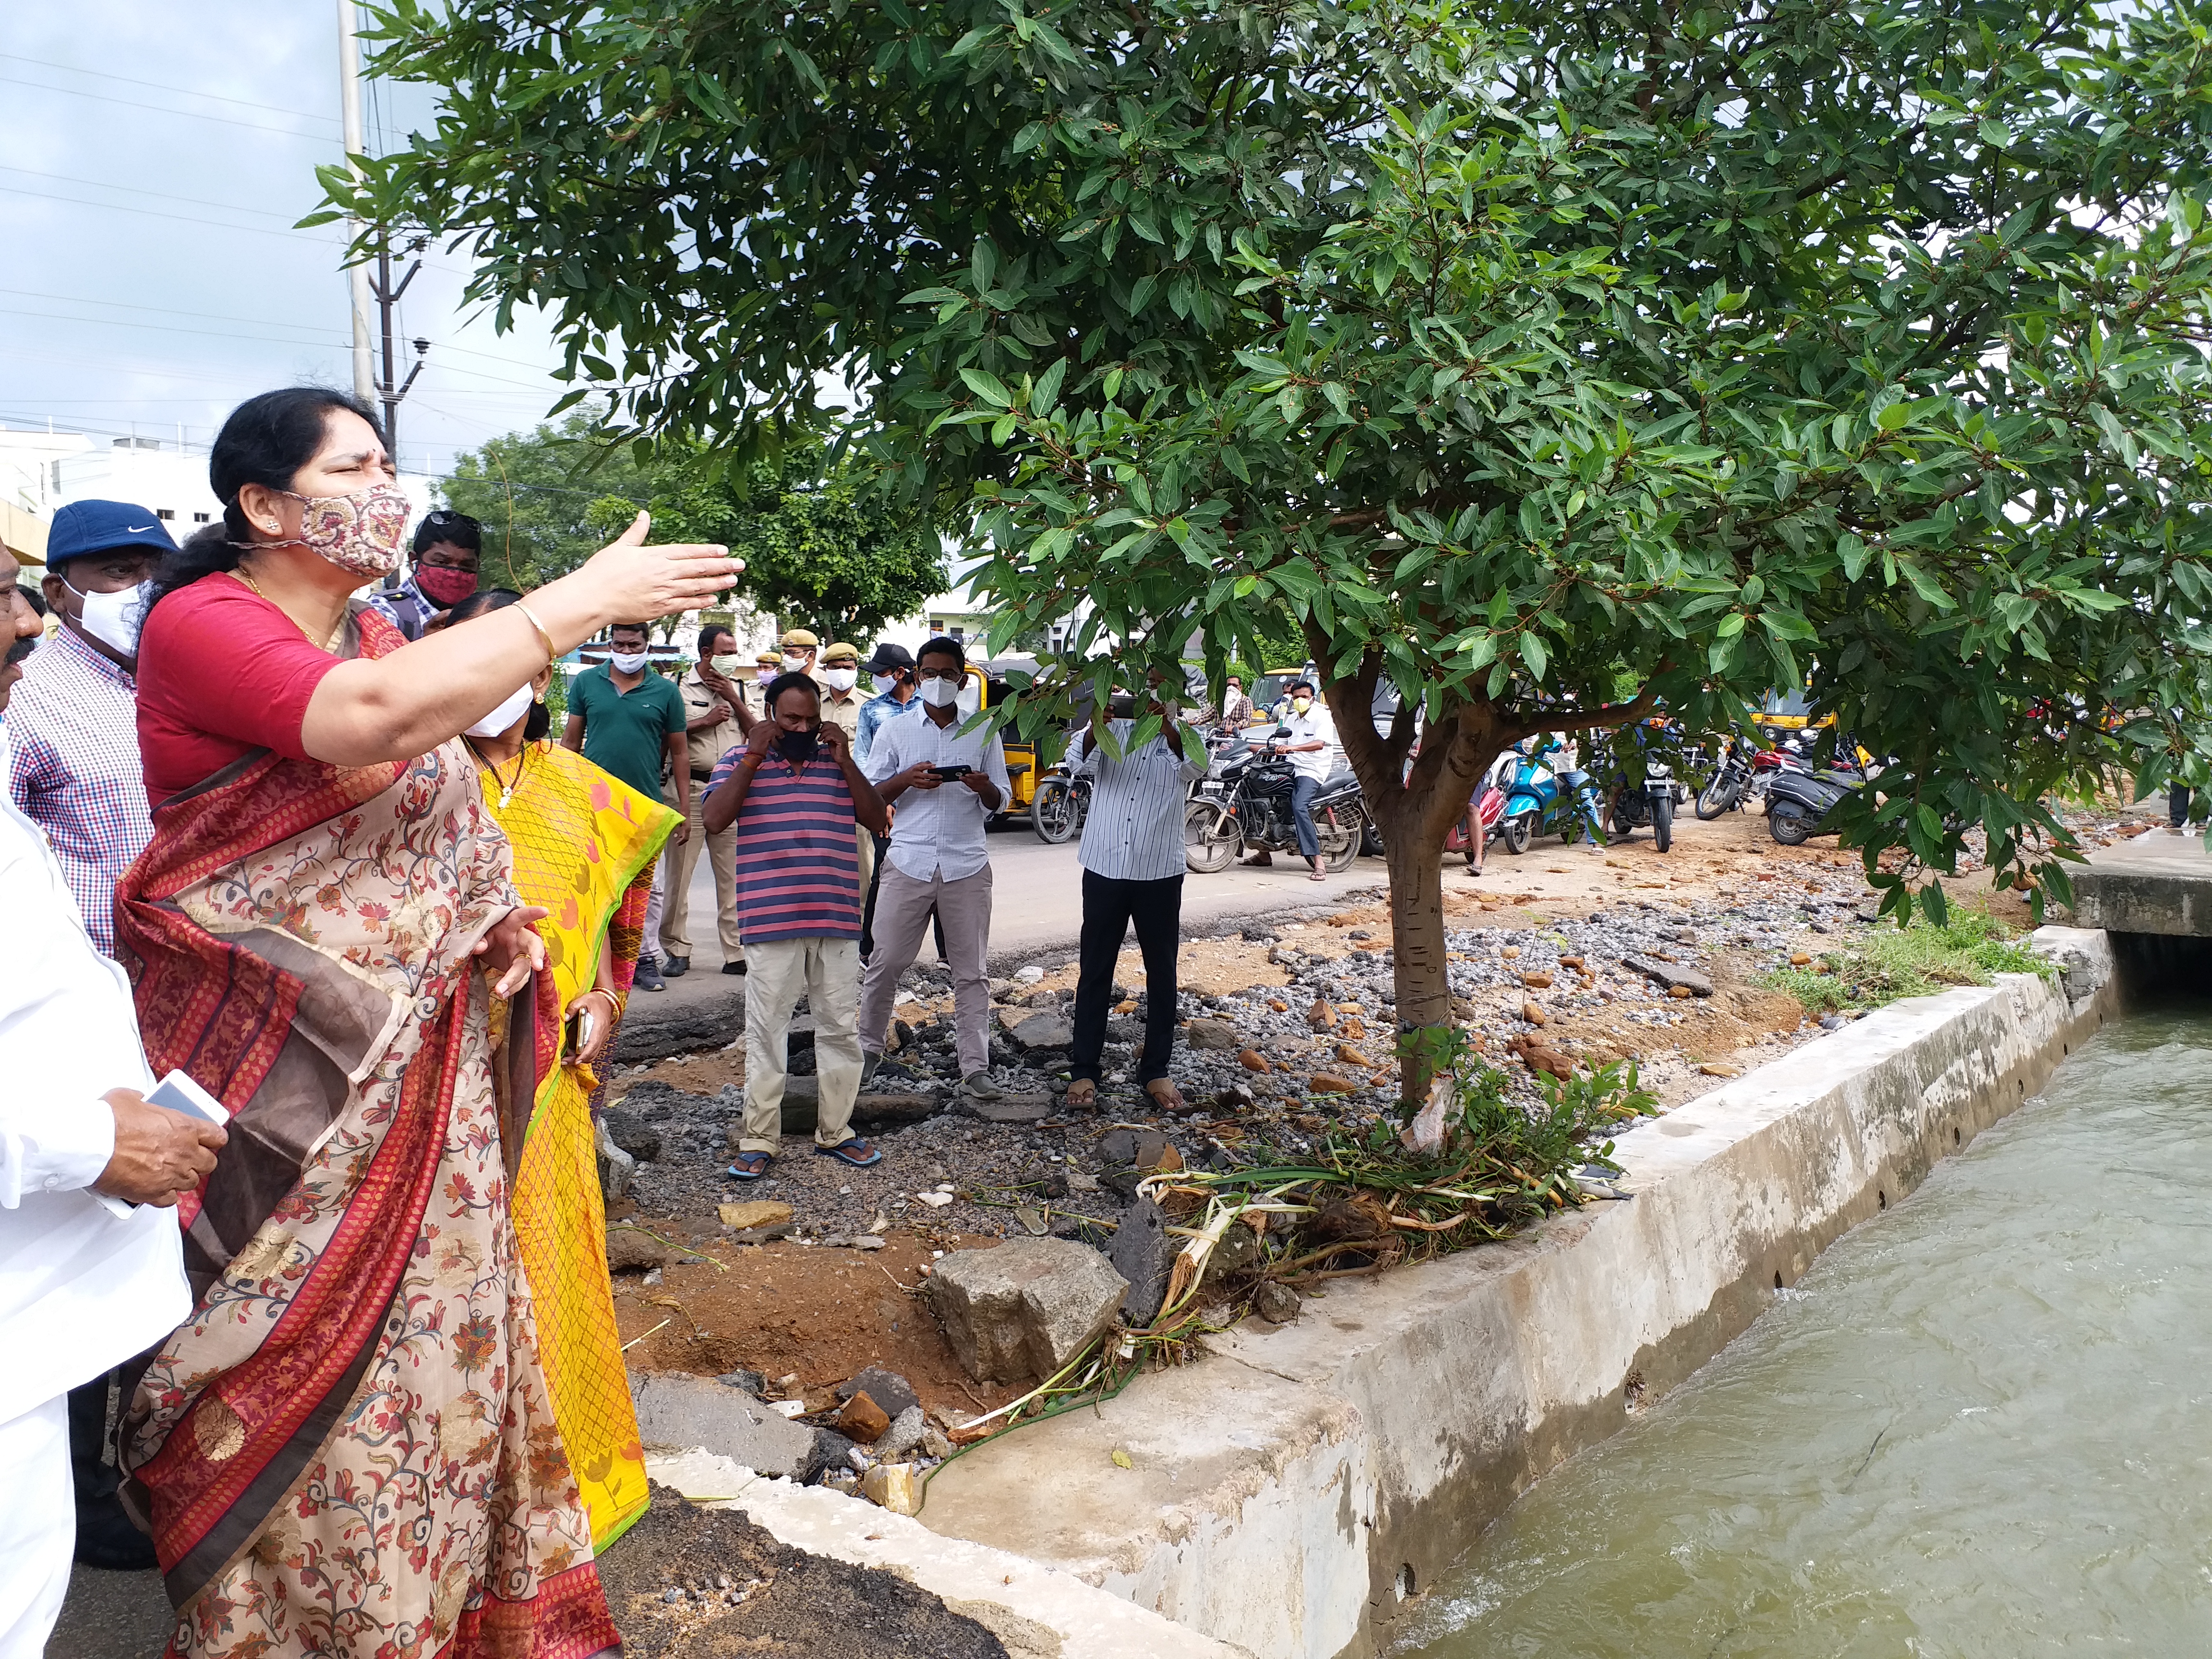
[798, 747]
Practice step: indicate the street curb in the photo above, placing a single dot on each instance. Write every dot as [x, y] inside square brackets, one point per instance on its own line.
[1289, 1491]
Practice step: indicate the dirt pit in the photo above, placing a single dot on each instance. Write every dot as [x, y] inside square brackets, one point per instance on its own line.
[787, 1309]
[686, 1583]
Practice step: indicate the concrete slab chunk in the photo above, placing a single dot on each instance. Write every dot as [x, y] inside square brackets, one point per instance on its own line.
[695, 1411]
[1024, 1309]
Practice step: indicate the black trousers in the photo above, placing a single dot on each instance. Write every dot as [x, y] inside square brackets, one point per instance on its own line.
[2177, 805]
[1109, 907]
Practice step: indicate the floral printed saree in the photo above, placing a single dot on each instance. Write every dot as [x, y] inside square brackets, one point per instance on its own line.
[348, 1449]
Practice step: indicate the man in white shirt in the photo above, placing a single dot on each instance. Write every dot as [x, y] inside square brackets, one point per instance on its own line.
[1133, 868]
[945, 784]
[1311, 744]
[81, 1289]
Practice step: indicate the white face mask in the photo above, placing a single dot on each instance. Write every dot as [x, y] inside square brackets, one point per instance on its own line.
[940, 694]
[627, 662]
[841, 679]
[112, 618]
[793, 665]
[726, 666]
[512, 709]
[884, 683]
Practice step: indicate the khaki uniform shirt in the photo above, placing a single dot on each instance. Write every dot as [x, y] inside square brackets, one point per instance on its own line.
[707, 745]
[843, 706]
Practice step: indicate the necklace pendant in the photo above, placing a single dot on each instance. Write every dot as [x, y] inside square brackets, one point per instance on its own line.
[505, 797]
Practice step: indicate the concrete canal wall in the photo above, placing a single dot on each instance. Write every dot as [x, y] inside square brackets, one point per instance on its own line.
[1283, 1495]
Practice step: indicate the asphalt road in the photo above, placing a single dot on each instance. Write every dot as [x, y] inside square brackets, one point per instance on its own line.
[1037, 899]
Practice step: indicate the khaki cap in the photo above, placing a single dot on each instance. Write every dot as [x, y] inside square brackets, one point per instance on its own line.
[800, 636]
[840, 652]
[768, 659]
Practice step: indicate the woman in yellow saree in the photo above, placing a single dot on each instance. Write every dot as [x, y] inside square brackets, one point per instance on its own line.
[584, 844]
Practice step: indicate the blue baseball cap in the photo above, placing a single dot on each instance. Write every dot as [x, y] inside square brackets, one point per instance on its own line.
[83, 527]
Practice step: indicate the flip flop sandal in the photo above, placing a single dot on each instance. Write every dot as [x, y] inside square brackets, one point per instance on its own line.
[1081, 1094]
[748, 1166]
[1165, 1095]
[856, 1152]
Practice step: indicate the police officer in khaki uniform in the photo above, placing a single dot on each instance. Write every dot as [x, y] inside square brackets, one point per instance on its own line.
[716, 720]
[839, 676]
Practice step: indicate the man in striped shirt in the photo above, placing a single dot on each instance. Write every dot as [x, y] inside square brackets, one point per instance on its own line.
[795, 794]
[1132, 860]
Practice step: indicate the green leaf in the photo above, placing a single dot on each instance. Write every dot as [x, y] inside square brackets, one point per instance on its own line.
[989, 387]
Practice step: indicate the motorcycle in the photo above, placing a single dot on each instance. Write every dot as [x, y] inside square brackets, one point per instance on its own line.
[1243, 802]
[1652, 802]
[1726, 787]
[1798, 802]
[1540, 799]
[1061, 803]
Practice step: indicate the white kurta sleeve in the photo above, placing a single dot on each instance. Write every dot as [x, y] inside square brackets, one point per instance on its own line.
[56, 1147]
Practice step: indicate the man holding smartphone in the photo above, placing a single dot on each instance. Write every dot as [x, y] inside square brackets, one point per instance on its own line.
[946, 783]
[82, 1288]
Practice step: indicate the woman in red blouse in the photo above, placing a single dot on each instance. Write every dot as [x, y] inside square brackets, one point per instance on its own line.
[348, 1448]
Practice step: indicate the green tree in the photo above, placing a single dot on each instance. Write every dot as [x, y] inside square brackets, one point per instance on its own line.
[1519, 352]
[534, 492]
[820, 549]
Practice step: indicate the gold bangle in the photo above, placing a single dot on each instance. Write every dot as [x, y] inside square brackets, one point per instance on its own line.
[552, 656]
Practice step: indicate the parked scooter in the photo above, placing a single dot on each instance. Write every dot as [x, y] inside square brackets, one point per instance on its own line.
[1485, 809]
[1243, 803]
[1798, 802]
[1538, 800]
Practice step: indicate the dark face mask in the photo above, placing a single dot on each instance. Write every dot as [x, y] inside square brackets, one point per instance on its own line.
[798, 747]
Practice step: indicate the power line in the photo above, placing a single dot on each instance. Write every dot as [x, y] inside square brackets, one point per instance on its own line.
[171, 328]
[163, 86]
[181, 218]
[136, 189]
[156, 109]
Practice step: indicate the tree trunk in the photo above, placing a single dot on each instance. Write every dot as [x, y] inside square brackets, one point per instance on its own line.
[1417, 943]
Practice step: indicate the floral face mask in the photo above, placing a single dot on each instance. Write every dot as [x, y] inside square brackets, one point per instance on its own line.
[362, 532]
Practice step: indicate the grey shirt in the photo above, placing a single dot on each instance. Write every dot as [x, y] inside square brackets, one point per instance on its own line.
[1134, 829]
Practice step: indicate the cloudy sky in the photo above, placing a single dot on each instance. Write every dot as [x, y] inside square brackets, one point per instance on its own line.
[152, 157]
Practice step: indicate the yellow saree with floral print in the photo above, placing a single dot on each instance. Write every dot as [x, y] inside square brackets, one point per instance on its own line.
[584, 844]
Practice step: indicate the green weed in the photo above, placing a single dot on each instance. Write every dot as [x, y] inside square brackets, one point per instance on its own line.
[1892, 962]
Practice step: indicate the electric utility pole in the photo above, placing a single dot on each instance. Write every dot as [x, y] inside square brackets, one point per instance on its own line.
[364, 380]
[368, 385]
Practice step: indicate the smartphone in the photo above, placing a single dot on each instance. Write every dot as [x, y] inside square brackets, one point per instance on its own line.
[178, 1093]
[952, 773]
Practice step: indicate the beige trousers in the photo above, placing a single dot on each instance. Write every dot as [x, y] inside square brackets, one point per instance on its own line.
[677, 864]
[827, 972]
[903, 908]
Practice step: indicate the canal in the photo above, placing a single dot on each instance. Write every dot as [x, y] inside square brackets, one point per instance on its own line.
[1981, 1425]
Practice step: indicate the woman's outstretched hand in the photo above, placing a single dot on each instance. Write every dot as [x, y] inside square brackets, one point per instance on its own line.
[642, 584]
[511, 951]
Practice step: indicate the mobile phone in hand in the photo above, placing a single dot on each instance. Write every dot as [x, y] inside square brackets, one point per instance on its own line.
[952, 773]
[178, 1093]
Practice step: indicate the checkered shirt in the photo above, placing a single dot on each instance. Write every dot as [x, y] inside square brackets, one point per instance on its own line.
[73, 726]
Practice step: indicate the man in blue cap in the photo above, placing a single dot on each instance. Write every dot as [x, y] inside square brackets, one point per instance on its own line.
[73, 723]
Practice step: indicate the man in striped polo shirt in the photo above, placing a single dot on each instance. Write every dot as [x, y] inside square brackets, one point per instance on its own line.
[795, 794]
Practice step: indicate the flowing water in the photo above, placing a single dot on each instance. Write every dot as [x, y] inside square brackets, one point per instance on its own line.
[1981, 1425]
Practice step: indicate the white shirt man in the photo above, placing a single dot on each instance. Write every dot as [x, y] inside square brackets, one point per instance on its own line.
[81, 1289]
[945, 783]
[1310, 739]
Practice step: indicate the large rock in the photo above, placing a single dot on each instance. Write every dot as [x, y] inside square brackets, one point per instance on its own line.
[1041, 1032]
[1024, 1309]
[1212, 1034]
[655, 1027]
[1670, 974]
[887, 1388]
[802, 1109]
[1143, 1253]
[631, 1251]
[640, 1138]
[615, 1166]
[683, 1412]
